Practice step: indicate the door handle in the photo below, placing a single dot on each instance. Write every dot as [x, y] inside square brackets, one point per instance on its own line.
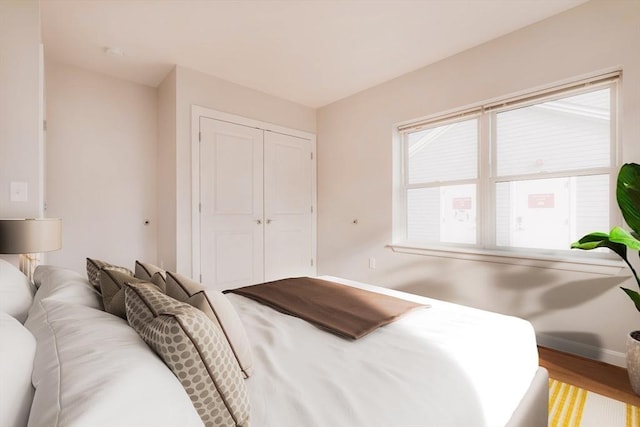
[269, 221]
[258, 221]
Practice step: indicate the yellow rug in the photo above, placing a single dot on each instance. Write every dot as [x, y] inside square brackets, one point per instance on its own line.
[571, 406]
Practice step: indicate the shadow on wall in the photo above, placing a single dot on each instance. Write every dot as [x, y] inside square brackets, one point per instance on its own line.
[441, 278]
[434, 279]
[577, 292]
[550, 296]
[528, 292]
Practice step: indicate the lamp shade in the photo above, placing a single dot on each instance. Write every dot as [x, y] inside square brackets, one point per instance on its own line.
[30, 235]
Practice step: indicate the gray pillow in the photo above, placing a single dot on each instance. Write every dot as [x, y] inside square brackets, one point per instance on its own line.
[112, 289]
[95, 265]
[146, 271]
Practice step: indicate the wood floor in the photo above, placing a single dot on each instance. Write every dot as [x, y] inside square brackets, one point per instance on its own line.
[599, 377]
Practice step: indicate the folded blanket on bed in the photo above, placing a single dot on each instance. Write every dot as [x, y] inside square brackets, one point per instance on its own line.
[344, 310]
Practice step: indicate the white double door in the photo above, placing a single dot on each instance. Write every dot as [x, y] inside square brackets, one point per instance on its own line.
[255, 205]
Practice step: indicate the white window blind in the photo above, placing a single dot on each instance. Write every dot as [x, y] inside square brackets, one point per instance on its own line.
[441, 180]
[571, 133]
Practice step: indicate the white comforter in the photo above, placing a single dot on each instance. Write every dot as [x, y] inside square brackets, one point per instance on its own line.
[446, 365]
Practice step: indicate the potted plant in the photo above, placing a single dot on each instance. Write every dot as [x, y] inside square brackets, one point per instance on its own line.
[620, 241]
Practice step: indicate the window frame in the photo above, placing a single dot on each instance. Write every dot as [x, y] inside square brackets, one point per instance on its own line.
[485, 248]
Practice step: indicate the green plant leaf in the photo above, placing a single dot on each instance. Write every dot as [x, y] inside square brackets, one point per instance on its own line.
[590, 241]
[601, 240]
[620, 235]
[635, 297]
[596, 236]
[628, 194]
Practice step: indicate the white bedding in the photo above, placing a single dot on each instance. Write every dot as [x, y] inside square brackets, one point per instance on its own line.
[446, 365]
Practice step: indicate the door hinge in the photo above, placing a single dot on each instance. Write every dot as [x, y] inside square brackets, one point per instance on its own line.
[311, 262]
[311, 208]
[200, 278]
[200, 207]
[44, 125]
[312, 155]
[199, 136]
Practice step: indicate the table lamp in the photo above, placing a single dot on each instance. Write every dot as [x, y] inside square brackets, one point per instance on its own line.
[28, 237]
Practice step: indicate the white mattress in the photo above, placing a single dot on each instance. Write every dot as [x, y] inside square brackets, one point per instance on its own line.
[447, 365]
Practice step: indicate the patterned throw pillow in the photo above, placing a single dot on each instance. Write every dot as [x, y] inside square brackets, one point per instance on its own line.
[95, 265]
[218, 308]
[195, 350]
[112, 289]
[146, 271]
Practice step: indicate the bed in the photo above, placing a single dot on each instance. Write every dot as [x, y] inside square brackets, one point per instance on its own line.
[445, 365]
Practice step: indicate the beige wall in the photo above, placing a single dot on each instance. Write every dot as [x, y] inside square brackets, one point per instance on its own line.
[575, 311]
[101, 166]
[195, 88]
[110, 167]
[21, 109]
[166, 174]
[21, 151]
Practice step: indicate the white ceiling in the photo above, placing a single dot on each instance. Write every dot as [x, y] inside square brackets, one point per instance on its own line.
[312, 52]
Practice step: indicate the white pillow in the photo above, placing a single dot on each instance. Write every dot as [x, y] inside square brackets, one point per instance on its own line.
[61, 284]
[16, 291]
[16, 364]
[92, 369]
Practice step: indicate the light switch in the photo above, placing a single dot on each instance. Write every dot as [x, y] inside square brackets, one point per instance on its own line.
[19, 192]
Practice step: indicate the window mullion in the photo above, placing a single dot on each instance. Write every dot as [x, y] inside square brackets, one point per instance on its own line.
[486, 204]
[405, 182]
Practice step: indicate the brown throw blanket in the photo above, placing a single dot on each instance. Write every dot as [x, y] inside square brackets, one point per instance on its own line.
[344, 310]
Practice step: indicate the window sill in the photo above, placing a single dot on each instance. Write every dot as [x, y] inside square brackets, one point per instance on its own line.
[596, 265]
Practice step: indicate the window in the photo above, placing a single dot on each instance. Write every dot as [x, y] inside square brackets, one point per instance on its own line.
[530, 175]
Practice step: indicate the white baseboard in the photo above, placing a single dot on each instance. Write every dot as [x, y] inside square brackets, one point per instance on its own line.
[585, 350]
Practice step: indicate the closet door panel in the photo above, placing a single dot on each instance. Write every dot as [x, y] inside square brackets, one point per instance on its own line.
[231, 210]
[287, 204]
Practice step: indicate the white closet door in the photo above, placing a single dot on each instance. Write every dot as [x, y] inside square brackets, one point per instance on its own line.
[288, 200]
[231, 197]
